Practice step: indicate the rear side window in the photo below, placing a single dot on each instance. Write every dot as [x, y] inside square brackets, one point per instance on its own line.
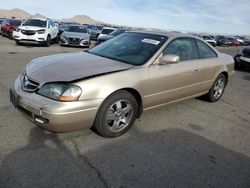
[204, 50]
[52, 23]
[49, 24]
[107, 31]
[183, 47]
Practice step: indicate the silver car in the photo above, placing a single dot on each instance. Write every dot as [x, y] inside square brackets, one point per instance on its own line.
[75, 35]
[110, 85]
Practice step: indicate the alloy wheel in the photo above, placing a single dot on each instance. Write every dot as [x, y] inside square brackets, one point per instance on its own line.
[119, 115]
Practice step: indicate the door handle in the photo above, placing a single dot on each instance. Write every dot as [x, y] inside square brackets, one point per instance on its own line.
[196, 69]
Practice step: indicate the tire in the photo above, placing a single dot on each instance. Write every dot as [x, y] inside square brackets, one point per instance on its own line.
[10, 35]
[17, 42]
[57, 39]
[116, 115]
[217, 89]
[237, 62]
[48, 41]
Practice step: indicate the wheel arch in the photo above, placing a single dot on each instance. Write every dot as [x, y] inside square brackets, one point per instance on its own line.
[137, 96]
[225, 73]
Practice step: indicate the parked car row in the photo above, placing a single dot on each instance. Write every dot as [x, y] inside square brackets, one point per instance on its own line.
[221, 40]
[231, 41]
[44, 31]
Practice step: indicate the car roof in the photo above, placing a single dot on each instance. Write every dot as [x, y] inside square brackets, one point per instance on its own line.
[109, 28]
[165, 33]
[77, 25]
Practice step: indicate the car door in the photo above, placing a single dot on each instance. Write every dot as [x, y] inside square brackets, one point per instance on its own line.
[171, 82]
[207, 63]
[4, 27]
[50, 29]
[54, 29]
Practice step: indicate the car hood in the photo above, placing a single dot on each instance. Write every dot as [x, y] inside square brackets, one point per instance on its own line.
[32, 28]
[71, 67]
[74, 35]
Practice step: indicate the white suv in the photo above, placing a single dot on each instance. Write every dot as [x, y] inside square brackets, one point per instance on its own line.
[36, 30]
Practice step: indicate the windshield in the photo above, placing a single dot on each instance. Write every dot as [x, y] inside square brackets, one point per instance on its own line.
[77, 29]
[107, 31]
[35, 23]
[63, 27]
[1, 21]
[117, 32]
[99, 27]
[15, 22]
[130, 48]
[207, 38]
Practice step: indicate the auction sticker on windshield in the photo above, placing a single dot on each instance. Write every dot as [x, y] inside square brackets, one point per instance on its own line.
[151, 41]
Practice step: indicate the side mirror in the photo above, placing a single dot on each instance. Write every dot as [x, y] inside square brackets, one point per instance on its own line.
[169, 59]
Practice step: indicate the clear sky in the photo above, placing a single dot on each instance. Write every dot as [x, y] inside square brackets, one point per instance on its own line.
[218, 16]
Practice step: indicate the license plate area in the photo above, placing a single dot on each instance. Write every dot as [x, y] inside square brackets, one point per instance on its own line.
[14, 98]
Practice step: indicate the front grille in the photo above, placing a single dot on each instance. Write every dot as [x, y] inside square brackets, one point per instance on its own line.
[28, 32]
[73, 40]
[28, 84]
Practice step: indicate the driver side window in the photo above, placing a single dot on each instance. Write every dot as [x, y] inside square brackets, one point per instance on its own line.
[49, 24]
[183, 47]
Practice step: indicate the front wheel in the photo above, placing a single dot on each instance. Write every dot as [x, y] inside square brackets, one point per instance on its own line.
[237, 61]
[48, 41]
[10, 36]
[217, 89]
[116, 115]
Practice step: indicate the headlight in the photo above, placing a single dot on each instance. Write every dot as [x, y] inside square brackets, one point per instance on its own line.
[17, 29]
[61, 92]
[42, 31]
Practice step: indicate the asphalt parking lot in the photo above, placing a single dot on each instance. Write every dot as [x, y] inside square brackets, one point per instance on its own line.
[189, 144]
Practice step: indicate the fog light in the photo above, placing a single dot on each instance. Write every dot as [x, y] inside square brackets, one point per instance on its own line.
[40, 120]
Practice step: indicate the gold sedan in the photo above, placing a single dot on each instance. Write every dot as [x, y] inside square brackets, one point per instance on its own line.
[109, 86]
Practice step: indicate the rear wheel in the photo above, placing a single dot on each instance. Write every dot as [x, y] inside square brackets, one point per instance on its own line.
[116, 115]
[217, 89]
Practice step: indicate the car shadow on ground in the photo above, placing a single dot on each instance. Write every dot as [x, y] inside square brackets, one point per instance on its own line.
[168, 158]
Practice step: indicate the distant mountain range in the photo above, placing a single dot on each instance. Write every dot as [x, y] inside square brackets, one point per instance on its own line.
[21, 14]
